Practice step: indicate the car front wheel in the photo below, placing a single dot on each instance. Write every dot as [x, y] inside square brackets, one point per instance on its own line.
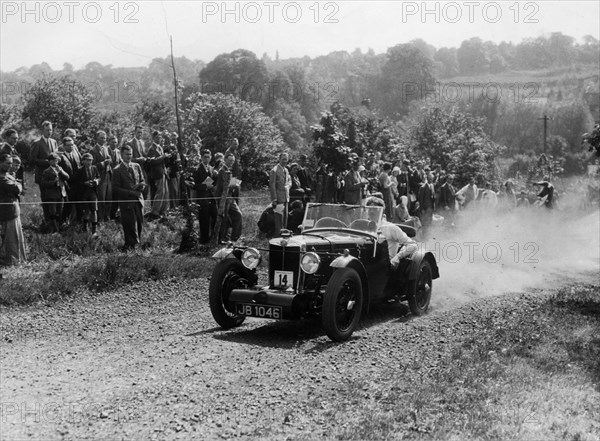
[229, 274]
[420, 290]
[342, 304]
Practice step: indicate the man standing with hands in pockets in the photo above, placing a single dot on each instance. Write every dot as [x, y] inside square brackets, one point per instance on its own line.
[128, 185]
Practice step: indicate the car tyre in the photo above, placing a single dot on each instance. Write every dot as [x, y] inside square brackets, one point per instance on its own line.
[342, 304]
[420, 290]
[228, 275]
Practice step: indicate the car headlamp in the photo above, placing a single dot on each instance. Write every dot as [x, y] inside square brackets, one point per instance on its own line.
[251, 258]
[310, 262]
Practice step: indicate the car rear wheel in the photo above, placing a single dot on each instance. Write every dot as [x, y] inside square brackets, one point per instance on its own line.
[229, 274]
[342, 304]
[420, 290]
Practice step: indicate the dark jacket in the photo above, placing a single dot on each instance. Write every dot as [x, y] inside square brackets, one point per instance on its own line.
[426, 197]
[10, 190]
[353, 188]
[200, 176]
[447, 196]
[40, 150]
[123, 183]
[157, 168]
[85, 192]
[54, 181]
[101, 154]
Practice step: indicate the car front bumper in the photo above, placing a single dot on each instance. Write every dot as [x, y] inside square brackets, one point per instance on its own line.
[292, 306]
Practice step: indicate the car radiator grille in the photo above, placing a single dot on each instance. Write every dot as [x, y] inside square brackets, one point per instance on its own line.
[277, 262]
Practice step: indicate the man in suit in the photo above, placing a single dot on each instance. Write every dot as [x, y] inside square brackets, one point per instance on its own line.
[204, 178]
[115, 156]
[128, 184]
[11, 136]
[12, 241]
[157, 174]
[232, 215]
[469, 193]
[236, 169]
[280, 183]
[354, 184]
[138, 147]
[70, 163]
[72, 133]
[86, 181]
[404, 180]
[426, 199]
[54, 181]
[305, 176]
[40, 150]
[103, 162]
[447, 199]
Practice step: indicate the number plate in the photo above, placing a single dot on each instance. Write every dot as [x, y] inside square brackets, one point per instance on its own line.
[283, 279]
[264, 311]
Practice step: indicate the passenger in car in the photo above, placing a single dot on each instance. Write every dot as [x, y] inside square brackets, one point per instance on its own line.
[399, 244]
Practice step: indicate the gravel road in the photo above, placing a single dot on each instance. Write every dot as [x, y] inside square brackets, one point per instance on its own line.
[147, 362]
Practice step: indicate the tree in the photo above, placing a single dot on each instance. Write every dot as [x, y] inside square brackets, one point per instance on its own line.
[155, 112]
[63, 101]
[239, 73]
[454, 140]
[218, 118]
[329, 143]
[405, 77]
[367, 132]
[472, 57]
[447, 65]
[292, 125]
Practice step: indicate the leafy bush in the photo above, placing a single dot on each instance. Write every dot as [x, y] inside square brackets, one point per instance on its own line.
[63, 101]
[455, 140]
[218, 118]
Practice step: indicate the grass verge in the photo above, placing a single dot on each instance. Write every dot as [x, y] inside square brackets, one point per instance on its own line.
[529, 371]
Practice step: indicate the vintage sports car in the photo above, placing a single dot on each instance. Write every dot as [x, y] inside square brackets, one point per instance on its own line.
[335, 269]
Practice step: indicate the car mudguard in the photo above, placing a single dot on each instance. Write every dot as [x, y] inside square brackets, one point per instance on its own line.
[354, 263]
[418, 257]
[225, 253]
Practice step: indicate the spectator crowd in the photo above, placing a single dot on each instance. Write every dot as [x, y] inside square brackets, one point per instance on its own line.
[82, 184]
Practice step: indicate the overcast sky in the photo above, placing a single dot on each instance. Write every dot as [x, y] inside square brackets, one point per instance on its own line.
[132, 33]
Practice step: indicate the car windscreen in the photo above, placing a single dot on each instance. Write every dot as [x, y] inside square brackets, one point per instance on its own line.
[335, 216]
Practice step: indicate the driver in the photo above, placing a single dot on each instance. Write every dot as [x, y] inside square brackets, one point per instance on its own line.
[399, 244]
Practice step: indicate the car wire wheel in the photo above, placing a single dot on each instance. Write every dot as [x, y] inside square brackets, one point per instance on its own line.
[229, 274]
[342, 304]
[420, 295]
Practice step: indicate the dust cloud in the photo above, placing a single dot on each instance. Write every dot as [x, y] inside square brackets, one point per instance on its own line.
[491, 253]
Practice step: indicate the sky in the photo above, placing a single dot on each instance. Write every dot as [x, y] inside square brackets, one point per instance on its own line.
[130, 34]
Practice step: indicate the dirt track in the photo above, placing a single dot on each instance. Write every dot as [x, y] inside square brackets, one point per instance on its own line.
[147, 362]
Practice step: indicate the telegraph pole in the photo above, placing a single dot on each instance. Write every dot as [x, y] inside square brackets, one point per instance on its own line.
[545, 118]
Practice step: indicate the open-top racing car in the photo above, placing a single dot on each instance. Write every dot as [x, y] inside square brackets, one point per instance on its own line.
[334, 270]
